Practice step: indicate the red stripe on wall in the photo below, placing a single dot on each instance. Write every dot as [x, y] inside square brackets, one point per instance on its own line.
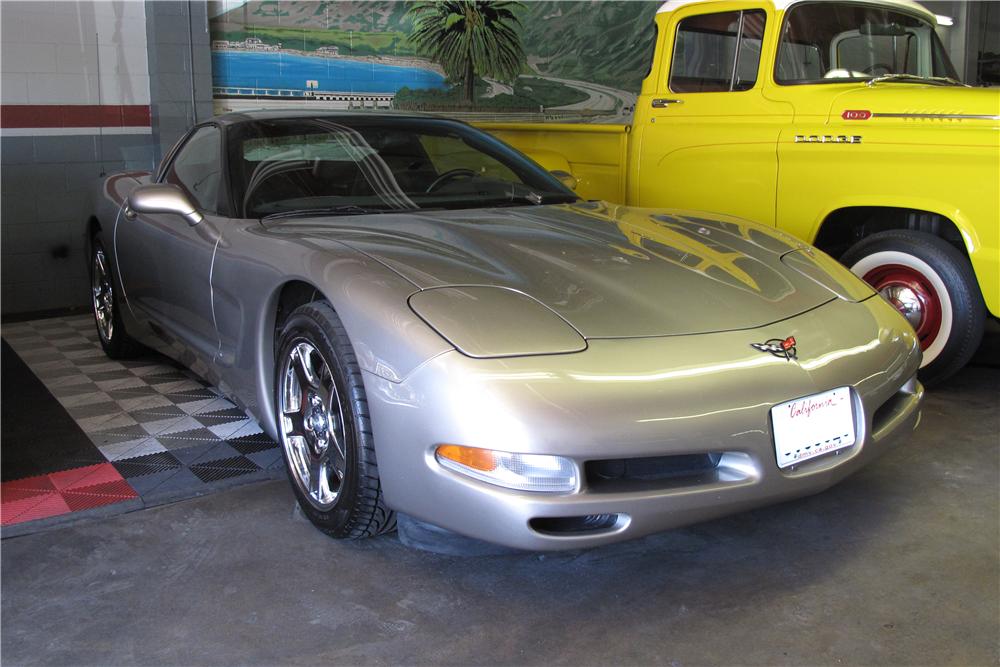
[74, 115]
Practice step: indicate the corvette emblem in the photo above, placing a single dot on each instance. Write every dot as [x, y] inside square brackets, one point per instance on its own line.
[778, 347]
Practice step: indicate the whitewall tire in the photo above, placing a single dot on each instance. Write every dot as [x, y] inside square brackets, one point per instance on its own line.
[933, 286]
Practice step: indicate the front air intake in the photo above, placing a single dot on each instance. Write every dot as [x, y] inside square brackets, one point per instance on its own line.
[619, 474]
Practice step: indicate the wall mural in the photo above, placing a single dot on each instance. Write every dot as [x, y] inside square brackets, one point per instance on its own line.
[579, 61]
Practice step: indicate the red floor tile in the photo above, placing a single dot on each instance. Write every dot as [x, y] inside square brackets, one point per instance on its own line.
[41, 483]
[62, 492]
[10, 494]
[95, 474]
[52, 504]
[11, 510]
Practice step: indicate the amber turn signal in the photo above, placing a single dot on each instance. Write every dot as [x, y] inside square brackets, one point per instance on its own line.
[472, 457]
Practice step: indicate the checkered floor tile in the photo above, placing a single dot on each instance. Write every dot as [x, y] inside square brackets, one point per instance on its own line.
[166, 432]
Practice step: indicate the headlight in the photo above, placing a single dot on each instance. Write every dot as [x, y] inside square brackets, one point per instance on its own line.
[488, 322]
[524, 472]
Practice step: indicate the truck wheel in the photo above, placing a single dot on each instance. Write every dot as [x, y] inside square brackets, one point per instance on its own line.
[933, 286]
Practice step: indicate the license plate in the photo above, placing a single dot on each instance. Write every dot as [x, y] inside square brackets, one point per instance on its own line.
[812, 426]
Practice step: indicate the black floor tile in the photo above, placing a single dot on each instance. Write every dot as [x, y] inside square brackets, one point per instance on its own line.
[37, 435]
[235, 466]
[147, 464]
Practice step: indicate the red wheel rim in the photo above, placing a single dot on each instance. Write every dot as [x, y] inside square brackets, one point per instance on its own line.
[913, 295]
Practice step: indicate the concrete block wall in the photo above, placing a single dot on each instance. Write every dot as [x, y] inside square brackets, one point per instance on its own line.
[88, 88]
[179, 53]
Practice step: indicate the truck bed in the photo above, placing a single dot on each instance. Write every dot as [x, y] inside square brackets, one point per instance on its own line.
[595, 154]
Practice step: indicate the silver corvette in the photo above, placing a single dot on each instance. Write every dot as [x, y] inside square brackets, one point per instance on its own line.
[433, 325]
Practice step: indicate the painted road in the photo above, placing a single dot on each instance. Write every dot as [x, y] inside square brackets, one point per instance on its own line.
[599, 98]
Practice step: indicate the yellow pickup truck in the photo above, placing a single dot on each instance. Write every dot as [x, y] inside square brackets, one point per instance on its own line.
[839, 122]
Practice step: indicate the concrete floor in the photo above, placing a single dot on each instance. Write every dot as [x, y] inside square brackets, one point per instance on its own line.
[898, 565]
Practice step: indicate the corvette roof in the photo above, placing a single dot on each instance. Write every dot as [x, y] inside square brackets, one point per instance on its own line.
[235, 117]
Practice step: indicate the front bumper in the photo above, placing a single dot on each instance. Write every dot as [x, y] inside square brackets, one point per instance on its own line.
[637, 398]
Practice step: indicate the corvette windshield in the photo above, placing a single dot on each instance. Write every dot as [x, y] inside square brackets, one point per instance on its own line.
[829, 42]
[353, 165]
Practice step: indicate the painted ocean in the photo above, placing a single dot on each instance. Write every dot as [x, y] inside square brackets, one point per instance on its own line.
[289, 71]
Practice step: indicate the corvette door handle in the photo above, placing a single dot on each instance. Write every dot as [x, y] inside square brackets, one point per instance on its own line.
[661, 103]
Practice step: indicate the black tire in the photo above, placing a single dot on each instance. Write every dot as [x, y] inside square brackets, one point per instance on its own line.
[950, 314]
[115, 340]
[358, 509]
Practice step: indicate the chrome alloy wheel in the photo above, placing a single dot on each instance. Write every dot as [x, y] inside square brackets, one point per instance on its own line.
[102, 296]
[312, 425]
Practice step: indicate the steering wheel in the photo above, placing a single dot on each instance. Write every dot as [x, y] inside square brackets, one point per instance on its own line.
[886, 69]
[270, 168]
[449, 175]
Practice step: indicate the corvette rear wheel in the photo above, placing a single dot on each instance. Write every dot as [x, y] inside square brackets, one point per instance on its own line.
[933, 286]
[325, 429]
[115, 341]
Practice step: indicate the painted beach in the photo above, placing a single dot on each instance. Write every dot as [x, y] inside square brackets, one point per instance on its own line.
[290, 71]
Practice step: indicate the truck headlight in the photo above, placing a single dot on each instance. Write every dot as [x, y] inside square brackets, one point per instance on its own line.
[523, 472]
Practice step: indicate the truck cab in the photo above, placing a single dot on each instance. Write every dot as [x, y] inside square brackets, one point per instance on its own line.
[840, 122]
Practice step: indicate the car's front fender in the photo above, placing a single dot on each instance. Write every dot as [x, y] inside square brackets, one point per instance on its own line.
[252, 267]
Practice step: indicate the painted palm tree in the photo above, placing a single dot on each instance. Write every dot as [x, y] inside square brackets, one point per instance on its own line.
[469, 37]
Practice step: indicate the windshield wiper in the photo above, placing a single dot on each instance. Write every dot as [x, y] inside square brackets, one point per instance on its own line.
[533, 198]
[936, 80]
[346, 209]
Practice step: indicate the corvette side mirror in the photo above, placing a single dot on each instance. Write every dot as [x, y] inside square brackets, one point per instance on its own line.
[162, 198]
[566, 178]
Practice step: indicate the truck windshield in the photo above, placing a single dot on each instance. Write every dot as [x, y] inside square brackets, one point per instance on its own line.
[348, 165]
[828, 42]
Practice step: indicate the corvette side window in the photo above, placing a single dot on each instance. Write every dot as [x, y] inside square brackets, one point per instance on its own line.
[717, 52]
[197, 169]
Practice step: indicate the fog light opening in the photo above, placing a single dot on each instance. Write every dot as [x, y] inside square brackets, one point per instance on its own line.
[576, 525]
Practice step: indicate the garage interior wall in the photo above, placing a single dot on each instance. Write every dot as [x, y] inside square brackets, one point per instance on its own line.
[88, 88]
[94, 87]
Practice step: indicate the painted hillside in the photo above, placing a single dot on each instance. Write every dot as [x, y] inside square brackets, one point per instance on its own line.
[599, 41]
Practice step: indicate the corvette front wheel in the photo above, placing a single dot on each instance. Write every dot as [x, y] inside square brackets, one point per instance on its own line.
[325, 430]
[933, 286]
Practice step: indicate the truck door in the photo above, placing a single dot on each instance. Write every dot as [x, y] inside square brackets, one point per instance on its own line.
[707, 136]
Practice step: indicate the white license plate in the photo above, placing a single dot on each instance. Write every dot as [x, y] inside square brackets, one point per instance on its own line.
[812, 426]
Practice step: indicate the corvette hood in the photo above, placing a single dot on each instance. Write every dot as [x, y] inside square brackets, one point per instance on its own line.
[609, 271]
